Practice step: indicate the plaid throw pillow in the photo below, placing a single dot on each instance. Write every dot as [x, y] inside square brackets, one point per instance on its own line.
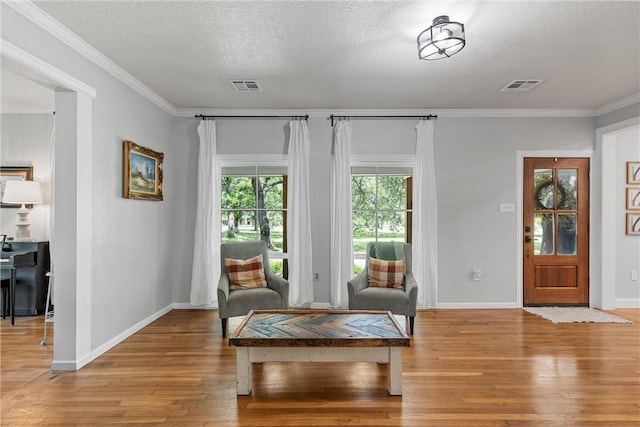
[245, 274]
[385, 274]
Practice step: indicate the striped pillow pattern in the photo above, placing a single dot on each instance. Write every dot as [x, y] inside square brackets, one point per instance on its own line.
[385, 274]
[245, 274]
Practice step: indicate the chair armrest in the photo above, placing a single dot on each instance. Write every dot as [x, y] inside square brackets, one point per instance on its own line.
[280, 285]
[223, 295]
[357, 283]
[411, 288]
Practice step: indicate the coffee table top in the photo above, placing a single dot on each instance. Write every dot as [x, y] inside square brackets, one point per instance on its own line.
[319, 328]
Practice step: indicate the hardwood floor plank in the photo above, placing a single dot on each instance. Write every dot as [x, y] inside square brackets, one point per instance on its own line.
[464, 368]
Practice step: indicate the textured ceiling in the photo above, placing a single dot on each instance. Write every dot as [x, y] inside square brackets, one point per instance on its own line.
[362, 54]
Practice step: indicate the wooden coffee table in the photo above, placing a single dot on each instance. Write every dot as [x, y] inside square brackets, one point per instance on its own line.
[319, 336]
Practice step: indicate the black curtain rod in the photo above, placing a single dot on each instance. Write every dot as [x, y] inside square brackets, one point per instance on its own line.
[305, 117]
[424, 116]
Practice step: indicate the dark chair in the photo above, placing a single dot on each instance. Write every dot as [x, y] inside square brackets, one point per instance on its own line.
[233, 303]
[4, 285]
[16, 260]
[398, 301]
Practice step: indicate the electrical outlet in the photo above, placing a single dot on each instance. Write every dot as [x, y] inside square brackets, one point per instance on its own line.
[477, 274]
[634, 276]
[316, 276]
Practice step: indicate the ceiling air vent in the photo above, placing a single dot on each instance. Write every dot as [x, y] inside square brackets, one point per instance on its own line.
[521, 85]
[246, 85]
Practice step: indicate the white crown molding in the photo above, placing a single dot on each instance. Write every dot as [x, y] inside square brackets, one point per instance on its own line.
[616, 105]
[25, 59]
[55, 28]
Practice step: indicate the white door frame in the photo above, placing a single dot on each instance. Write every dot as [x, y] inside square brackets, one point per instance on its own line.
[71, 205]
[520, 156]
[606, 153]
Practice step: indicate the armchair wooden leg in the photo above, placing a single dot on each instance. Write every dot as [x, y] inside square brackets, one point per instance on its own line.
[411, 319]
[224, 328]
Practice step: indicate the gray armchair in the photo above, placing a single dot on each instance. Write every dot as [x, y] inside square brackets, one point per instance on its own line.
[397, 301]
[240, 302]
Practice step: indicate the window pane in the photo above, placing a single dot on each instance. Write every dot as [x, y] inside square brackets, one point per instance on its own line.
[358, 265]
[364, 226]
[239, 226]
[543, 184]
[363, 192]
[391, 226]
[392, 192]
[567, 189]
[567, 233]
[543, 234]
[270, 192]
[272, 229]
[238, 193]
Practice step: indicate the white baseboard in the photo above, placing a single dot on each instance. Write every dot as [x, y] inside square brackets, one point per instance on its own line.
[188, 306]
[321, 305]
[627, 302]
[475, 305]
[97, 352]
[65, 365]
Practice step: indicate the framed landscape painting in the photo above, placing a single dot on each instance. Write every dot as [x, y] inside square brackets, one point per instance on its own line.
[142, 172]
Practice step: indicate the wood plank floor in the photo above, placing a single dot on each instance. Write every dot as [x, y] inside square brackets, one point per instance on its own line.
[464, 368]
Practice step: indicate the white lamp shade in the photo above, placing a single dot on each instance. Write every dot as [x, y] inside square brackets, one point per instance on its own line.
[27, 192]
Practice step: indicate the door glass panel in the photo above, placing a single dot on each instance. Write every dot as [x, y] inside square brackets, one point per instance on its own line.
[567, 189]
[543, 234]
[543, 185]
[567, 233]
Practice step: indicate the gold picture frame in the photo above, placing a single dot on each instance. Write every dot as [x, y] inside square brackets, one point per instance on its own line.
[633, 173]
[7, 173]
[633, 223]
[142, 172]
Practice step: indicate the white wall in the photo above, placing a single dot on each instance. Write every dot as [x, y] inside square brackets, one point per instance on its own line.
[25, 141]
[475, 172]
[627, 247]
[141, 250]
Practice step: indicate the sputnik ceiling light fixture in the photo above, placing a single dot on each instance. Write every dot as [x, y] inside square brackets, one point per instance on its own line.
[441, 40]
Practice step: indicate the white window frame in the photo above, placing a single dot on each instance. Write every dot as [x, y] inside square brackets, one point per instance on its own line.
[382, 161]
[244, 160]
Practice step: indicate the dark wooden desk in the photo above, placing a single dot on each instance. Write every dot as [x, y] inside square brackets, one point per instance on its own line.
[31, 282]
[319, 336]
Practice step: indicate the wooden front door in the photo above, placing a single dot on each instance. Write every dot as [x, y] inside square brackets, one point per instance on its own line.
[556, 231]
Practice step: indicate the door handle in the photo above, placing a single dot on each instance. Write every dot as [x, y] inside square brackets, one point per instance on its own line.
[527, 239]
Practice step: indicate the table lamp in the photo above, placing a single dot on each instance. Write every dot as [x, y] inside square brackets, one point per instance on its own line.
[23, 192]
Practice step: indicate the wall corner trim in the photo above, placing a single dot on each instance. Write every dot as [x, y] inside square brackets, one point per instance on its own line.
[23, 58]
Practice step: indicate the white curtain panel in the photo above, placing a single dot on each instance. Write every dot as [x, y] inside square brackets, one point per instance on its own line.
[206, 251]
[341, 221]
[299, 216]
[425, 218]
